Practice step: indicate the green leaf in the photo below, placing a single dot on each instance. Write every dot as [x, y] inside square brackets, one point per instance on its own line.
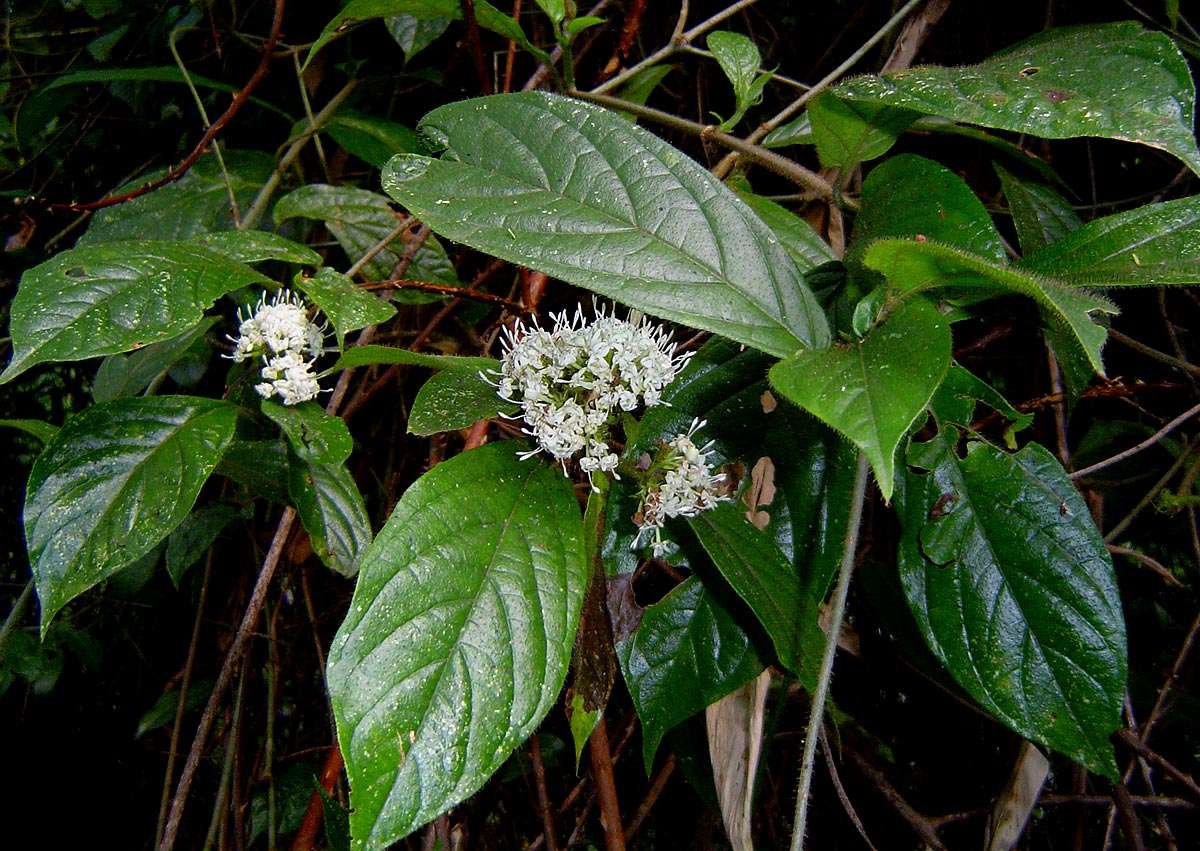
[954, 401]
[873, 390]
[192, 538]
[554, 9]
[261, 466]
[502, 23]
[848, 132]
[1014, 591]
[452, 399]
[371, 355]
[42, 431]
[642, 84]
[129, 374]
[687, 652]
[1116, 81]
[357, 11]
[255, 246]
[114, 297]
[583, 22]
[798, 131]
[414, 33]
[332, 511]
[913, 266]
[117, 479]
[614, 209]
[1040, 215]
[1153, 245]
[373, 140]
[482, 557]
[758, 572]
[197, 203]
[911, 196]
[313, 434]
[359, 220]
[739, 58]
[798, 238]
[347, 306]
[163, 711]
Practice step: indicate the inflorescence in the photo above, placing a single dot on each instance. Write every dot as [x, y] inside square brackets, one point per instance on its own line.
[572, 383]
[280, 332]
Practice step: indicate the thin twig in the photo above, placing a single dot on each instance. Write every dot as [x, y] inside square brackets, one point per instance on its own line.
[1140, 747]
[847, 804]
[539, 779]
[443, 289]
[1162, 357]
[1116, 531]
[15, 614]
[1152, 564]
[652, 795]
[210, 134]
[925, 828]
[837, 610]
[1145, 444]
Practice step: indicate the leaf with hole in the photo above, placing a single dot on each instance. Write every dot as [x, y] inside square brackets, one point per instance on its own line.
[458, 636]
[577, 192]
[113, 483]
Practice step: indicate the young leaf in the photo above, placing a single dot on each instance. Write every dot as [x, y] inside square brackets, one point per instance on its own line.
[577, 192]
[759, 573]
[1040, 215]
[347, 306]
[1014, 592]
[331, 509]
[874, 389]
[1116, 81]
[687, 652]
[848, 133]
[454, 398]
[358, 220]
[1153, 245]
[739, 58]
[314, 435]
[458, 637]
[129, 374]
[114, 482]
[114, 297]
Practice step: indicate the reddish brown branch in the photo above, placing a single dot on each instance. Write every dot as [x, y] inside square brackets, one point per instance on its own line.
[539, 778]
[210, 134]
[443, 289]
[476, 46]
[656, 789]
[307, 835]
[606, 788]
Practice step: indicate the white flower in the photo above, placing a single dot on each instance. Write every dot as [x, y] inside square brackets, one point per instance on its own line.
[573, 380]
[282, 334]
[687, 486]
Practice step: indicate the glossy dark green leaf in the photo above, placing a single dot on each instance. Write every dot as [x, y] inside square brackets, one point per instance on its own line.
[577, 192]
[758, 572]
[414, 33]
[955, 400]
[798, 131]
[687, 653]
[260, 466]
[371, 139]
[798, 238]
[1014, 591]
[197, 203]
[913, 266]
[115, 297]
[1040, 215]
[848, 132]
[331, 508]
[1150, 246]
[163, 711]
[1117, 81]
[873, 390]
[357, 11]
[114, 482]
[359, 220]
[192, 538]
[348, 306]
[910, 196]
[454, 398]
[255, 246]
[370, 355]
[314, 435]
[129, 374]
[42, 431]
[458, 636]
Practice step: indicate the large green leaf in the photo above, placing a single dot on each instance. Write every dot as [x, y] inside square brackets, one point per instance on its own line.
[375, 140]
[849, 132]
[577, 192]
[1040, 215]
[255, 246]
[313, 434]
[129, 374]
[911, 196]
[1153, 245]
[758, 572]
[197, 203]
[359, 220]
[331, 509]
[1014, 591]
[114, 297]
[458, 637]
[874, 389]
[912, 266]
[348, 306]
[114, 481]
[1117, 81]
[687, 652]
[454, 398]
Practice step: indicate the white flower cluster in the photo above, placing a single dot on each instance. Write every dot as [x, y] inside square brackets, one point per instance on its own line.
[280, 332]
[682, 484]
[573, 380]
